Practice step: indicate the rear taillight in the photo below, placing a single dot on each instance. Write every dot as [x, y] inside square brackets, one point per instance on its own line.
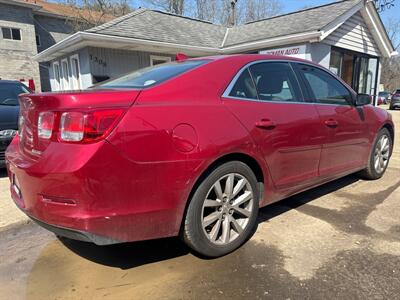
[46, 124]
[89, 126]
[72, 126]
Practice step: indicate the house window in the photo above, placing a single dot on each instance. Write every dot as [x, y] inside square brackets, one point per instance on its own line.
[75, 73]
[65, 74]
[57, 76]
[11, 33]
[156, 60]
[38, 43]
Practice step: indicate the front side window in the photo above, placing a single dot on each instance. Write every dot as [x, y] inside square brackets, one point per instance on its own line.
[244, 87]
[11, 33]
[275, 82]
[152, 75]
[325, 88]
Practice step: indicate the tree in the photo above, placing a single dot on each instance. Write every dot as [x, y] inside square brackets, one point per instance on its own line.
[254, 10]
[89, 13]
[207, 10]
[391, 66]
[393, 30]
[172, 6]
[382, 5]
[235, 12]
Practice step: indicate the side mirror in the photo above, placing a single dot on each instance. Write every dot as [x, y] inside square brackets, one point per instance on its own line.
[363, 99]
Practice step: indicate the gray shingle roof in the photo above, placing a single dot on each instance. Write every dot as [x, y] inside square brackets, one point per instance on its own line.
[312, 19]
[164, 27]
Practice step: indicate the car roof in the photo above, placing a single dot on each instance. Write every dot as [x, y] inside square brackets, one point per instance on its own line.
[10, 81]
[253, 57]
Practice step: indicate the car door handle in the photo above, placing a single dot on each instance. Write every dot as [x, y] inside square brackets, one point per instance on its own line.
[331, 123]
[265, 124]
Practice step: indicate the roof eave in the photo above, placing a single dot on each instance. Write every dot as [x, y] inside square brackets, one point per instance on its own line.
[84, 39]
[56, 50]
[23, 4]
[52, 15]
[304, 37]
[378, 29]
[335, 24]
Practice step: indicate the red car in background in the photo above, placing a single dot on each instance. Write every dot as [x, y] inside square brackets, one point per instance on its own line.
[190, 148]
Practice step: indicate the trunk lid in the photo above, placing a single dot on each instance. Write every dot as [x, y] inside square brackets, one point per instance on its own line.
[31, 105]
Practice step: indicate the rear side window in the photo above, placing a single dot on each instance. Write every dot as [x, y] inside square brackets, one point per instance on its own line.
[153, 75]
[276, 82]
[325, 88]
[9, 92]
[244, 87]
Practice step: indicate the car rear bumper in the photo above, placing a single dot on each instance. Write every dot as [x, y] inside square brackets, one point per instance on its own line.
[97, 194]
[76, 234]
[395, 103]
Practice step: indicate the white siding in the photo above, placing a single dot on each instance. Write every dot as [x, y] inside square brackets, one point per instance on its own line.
[354, 35]
[115, 62]
[84, 66]
[319, 53]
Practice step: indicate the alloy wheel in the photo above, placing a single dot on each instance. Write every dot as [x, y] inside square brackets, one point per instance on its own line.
[381, 154]
[227, 208]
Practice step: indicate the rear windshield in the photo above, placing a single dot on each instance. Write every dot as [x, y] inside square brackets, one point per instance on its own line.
[9, 92]
[152, 75]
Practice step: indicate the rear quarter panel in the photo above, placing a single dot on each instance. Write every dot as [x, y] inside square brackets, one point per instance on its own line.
[178, 130]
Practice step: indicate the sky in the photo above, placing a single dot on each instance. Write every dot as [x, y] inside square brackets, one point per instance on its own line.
[294, 5]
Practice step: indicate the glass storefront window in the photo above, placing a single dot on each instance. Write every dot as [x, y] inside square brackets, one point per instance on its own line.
[363, 74]
[348, 69]
[336, 62]
[357, 70]
[371, 77]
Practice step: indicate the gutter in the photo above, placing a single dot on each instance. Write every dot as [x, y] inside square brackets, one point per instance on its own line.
[23, 4]
[311, 36]
[74, 40]
[59, 48]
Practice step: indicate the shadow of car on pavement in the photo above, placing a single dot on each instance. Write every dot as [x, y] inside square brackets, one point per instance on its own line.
[130, 255]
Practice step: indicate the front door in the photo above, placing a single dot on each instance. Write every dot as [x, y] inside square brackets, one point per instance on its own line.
[268, 101]
[346, 145]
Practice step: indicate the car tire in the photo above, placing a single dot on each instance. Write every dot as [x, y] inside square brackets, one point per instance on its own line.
[213, 226]
[379, 156]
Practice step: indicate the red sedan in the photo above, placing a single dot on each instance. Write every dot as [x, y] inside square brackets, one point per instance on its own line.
[190, 148]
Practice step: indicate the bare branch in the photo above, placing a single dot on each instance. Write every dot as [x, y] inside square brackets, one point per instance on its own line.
[89, 13]
[172, 6]
[393, 30]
